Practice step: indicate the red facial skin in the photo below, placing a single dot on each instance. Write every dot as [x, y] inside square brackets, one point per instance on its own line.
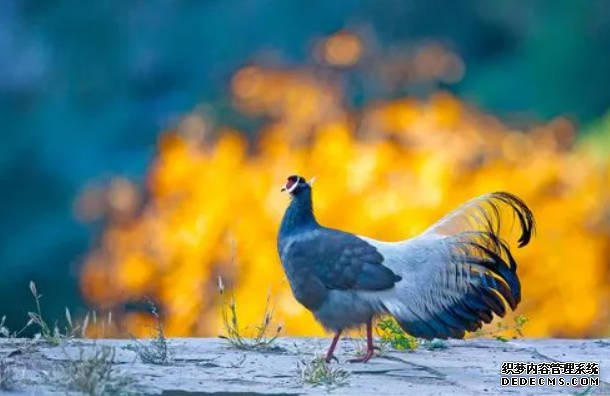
[291, 181]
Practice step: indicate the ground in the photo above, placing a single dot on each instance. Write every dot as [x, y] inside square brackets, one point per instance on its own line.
[209, 366]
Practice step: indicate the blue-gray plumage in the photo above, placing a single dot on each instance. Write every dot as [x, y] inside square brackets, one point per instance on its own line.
[440, 284]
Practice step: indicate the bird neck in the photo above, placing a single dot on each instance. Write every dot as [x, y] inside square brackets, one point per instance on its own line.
[299, 215]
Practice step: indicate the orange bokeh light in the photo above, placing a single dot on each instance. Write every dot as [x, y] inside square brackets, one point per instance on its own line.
[387, 171]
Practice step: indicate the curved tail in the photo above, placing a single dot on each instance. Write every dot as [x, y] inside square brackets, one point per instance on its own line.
[458, 272]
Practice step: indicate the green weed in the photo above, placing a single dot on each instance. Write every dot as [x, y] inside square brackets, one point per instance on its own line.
[393, 335]
[504, 332]
[319, 373]
[263, 336]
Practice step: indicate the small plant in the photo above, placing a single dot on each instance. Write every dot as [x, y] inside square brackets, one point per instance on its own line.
[74, 330]
[502, 329]
[433, 344]
[319, 373]
[94, 374]
[261, 340]
[360, 347]
[21, 345]
[36, 318]
[520, 321]
[155, 351]
[54, 335]
[392, 334]
[587, 391]
[8, 380]
[4, 331]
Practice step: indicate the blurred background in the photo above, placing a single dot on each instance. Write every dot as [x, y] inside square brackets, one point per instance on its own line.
[144, 144]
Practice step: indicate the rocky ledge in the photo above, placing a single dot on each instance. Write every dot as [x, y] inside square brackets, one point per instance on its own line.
[206, 366]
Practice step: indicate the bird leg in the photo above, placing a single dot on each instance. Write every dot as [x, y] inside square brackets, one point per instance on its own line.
[330, 354]
[370, 348]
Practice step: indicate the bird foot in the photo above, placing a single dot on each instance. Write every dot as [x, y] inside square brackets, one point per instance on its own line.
[365, 358]
[328, 358]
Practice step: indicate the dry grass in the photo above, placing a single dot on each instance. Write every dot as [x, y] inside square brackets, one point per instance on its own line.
[4, 331]
[54, 335]
[94, 374]
[155, 351]
[8, 379]
[36, 318]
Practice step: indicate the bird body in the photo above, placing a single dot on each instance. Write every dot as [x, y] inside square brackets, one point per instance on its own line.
[444, 282]
[325, 270]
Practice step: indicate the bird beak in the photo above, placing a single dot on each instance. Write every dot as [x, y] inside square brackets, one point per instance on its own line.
[283, 189]
[310, 182]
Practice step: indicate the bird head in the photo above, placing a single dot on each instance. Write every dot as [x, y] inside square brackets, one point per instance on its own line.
[297, 184]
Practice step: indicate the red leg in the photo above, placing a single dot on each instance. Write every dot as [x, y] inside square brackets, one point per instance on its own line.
[330, 354]
[370, 348]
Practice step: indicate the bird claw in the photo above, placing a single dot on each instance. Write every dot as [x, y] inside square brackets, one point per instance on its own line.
[330, 358]
[363, 359]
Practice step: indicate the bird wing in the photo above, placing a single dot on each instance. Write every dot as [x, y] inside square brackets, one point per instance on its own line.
[340, 260]
[458, 272]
